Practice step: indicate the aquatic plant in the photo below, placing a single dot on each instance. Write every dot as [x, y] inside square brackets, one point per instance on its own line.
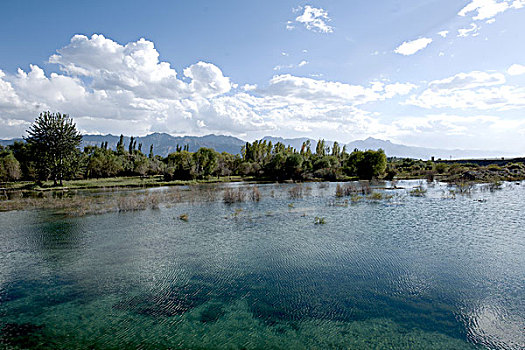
[296, 192]
[376, 196]
[418, 192]
[319, 220]
[231, 196]
[339, 192]
[323, 185]
[355, 198]
[450, 194]
[495, 185]
[255, 194]
[349, 189]
[464, 186]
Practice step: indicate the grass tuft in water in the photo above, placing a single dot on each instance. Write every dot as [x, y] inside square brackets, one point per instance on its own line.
[319, 220]
[418, 192]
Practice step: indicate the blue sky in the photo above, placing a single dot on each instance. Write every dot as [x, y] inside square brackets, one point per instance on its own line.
[427, 73]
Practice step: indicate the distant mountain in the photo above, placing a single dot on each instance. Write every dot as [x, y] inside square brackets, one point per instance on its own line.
[402, 151]
[9, 141]
[394, 150]
[296, 143]
[164, 144]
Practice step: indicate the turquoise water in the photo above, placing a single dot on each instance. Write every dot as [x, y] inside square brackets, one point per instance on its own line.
[430, 272]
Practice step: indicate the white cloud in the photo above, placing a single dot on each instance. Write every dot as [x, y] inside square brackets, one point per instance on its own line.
[483, 131]
[280, 67]
[443, 33]
[315, 19]
[411, 47]
[291, 65]
[517, 4]
[470, 80]
[474, 90]
[109, 87]
[488, 9]
[472, 31]
[249, 87]
[484, 9]
[516, 69]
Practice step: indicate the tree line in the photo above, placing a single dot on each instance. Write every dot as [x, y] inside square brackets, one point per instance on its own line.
[51, 152]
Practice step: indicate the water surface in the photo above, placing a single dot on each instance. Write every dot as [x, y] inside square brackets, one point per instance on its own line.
[428, 272]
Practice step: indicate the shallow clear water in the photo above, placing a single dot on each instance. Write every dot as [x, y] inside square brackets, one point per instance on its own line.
[408, 272]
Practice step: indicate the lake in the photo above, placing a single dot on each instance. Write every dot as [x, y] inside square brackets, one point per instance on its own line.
[437, 271]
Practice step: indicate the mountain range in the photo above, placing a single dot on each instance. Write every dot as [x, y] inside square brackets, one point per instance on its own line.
[163, 144]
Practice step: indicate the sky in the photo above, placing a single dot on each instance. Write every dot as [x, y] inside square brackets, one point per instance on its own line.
[432, 73]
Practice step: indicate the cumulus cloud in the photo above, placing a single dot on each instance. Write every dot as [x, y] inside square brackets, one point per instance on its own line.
[408, 48]
[315, 19]
[110, 87]
[516, 69]
[443, 33]
[474, 90]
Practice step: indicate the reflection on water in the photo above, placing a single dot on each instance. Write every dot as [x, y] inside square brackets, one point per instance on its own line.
[406, 272]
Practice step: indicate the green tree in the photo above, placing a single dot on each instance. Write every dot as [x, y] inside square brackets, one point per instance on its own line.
[120, 145]
[180, 166]
[9, 168]
[205, 160]
[55, 140]
[293, 165]
[373, 164]
[102, 163]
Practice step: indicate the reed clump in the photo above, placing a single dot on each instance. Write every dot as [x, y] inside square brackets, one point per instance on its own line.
[296, 192]
[231, 195]
[255, 194]
[464, 186]
[349, 189]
